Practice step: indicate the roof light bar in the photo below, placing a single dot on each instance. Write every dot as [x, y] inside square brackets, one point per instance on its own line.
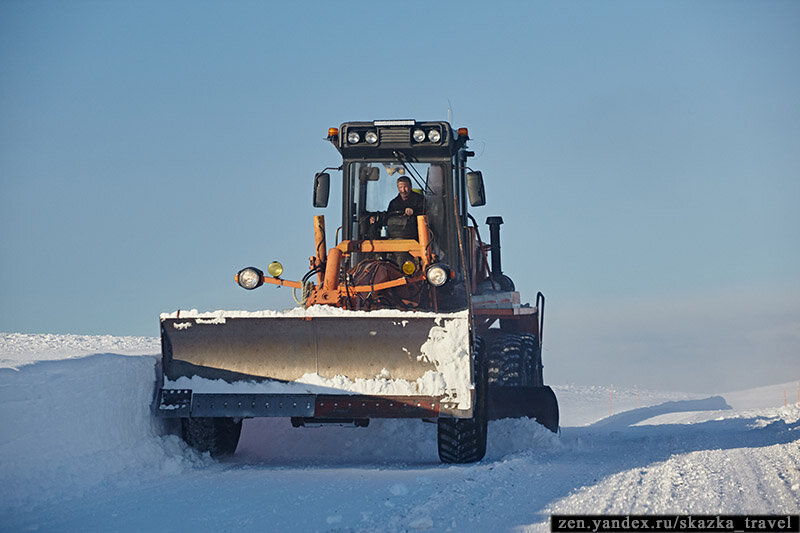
[394, 122]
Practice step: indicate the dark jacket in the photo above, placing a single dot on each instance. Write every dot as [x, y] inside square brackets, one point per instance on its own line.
[398, 225]
[415, 201]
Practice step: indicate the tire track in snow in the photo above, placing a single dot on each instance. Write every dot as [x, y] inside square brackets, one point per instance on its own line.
[778, 475]
[755, 477]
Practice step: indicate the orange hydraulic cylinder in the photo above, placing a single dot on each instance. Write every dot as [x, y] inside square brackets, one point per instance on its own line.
[424, 239]
[319, 238]
[320, 248]
[332, 269]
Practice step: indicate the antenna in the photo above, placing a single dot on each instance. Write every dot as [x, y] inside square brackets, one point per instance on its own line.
[449, 112]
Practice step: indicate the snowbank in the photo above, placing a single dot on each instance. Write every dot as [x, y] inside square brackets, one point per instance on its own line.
[81, 451]
[75, 424]
[18, 349]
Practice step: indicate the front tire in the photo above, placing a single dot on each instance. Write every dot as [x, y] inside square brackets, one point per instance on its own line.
[218, 436]
[463, 440]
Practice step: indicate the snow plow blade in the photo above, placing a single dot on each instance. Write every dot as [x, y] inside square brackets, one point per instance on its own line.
[372, 352]
[517, 402]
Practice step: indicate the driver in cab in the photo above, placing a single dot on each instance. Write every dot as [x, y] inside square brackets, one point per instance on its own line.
[407, 205]
[407, 202]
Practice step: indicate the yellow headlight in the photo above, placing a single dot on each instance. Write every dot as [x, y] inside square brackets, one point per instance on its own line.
[275, 269]
[409, 268]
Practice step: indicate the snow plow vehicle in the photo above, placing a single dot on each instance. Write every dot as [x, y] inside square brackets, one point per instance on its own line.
[405, 317]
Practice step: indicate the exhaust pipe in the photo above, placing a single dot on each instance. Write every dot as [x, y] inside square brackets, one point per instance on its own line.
[506, 284]
[494, 245]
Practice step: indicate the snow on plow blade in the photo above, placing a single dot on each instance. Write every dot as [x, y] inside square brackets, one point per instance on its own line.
[380, 353]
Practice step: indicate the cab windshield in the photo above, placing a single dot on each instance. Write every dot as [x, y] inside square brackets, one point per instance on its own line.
[373, 186]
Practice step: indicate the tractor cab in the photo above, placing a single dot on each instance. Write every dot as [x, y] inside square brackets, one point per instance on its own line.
[378, 159]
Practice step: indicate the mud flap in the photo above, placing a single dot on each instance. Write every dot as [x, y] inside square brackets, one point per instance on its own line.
[517, 402]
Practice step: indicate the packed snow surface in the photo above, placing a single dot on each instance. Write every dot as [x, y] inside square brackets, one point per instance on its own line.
[81, 451]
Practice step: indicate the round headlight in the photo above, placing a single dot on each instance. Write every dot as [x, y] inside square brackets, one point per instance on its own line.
[434, 136]
[249, 278]
[437, 275]
[275, 269]
[409, 268]
[353, 137]
[418, 135]
[371, 137]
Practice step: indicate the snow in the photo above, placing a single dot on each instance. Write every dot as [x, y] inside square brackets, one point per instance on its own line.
[81, 451]
[219, 316]
[430, 384]
[18, 349]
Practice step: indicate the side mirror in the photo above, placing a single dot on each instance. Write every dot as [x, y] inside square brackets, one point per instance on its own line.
[370, 174]
[477, 195]
[322, 187]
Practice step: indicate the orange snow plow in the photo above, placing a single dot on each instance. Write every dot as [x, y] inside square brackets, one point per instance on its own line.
[403, 318]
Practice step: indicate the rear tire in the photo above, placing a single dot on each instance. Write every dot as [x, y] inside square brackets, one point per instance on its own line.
[463, 440]
[218, 436]
[513, 359]
[531, 368]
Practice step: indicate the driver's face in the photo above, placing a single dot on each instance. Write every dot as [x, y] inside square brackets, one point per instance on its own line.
[404, 188]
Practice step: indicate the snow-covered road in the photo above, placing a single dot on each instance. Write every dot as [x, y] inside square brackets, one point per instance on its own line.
[80, 451]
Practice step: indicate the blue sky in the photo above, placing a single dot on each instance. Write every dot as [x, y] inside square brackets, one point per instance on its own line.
[645, 157]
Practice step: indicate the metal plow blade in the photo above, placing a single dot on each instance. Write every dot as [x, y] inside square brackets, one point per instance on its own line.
[285, 348]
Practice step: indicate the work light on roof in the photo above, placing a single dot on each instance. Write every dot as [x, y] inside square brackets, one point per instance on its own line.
[353, 137]
[418, 135]
[434, 136]
[394, 122]
[371, 137]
